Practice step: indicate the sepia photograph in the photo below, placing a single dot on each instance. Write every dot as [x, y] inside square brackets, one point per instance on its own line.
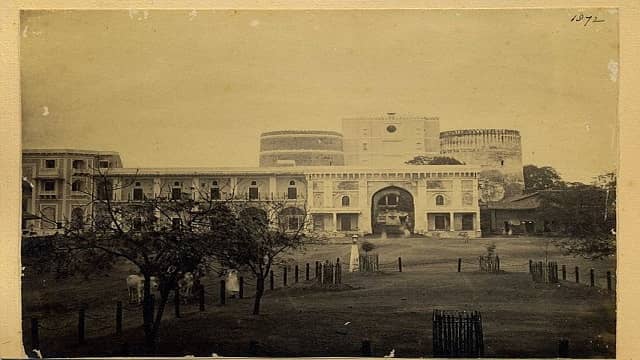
[411, 183]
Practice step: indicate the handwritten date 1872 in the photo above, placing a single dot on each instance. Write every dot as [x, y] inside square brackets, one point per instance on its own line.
[589, 19]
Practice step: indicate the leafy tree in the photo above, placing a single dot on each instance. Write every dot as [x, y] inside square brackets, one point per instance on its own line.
[264, 234]
[541, 178]
[580, 212]
[161, 237]
[437, 160]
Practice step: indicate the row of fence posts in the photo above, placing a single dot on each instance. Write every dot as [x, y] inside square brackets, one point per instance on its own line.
[371, 263]
[544, 272]
[323, 274]
[552, 269]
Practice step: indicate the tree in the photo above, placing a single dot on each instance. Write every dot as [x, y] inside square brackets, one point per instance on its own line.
[437, 160]
[580, 212]
[264, 234]
[162, 237]
[541, 178]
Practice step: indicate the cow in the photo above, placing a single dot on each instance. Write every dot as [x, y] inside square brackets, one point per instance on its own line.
[135, 284]
[185, 286]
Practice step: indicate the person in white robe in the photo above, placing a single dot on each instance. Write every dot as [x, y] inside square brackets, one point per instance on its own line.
[232, 284]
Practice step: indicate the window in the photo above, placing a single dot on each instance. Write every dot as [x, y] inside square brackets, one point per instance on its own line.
[48, 186]
[345, 201]
[292, 191]
[392, 199]
[364, 146]
[292, 183]
[138, 194]
[78, 164]
[391, 129]
[105, 190]
[253, 193]
[76, 186]
[50, 164]
[215, 193]
[294, 223]
[176, 193]
[103, 164]
[501, 162]
[467, 222]
[439, 200]
[77, 218]
[441, 222]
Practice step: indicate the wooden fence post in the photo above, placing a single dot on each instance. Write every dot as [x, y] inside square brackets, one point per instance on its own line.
[609, 285]
[241, 292]
[563, 348]
[317, 269]
[284, 276]
[530, 265]
[365, 350]
[35, 335]
[119, 318]
[564, 272]
[377, 262]
[592, 276]
[577, 275]
[271, 280]
[176, 301]
[307, 273]
[201, 296]
[81, 315]
[399, 264]
[459, 264]
[296, 274]
[223, 292]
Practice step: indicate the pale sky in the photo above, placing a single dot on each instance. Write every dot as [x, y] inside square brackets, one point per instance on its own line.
[183, 88]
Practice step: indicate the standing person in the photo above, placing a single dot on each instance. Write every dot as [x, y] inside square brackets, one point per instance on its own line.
[232, 284]
[354, 259]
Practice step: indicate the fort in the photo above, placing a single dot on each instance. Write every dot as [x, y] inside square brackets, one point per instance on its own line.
[355, 182]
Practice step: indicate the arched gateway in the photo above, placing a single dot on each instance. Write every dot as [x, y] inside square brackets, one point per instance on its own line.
[392, 211]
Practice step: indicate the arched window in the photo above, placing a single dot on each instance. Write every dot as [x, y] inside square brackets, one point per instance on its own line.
[439, 200]
[253, 191]
[215, 190]
[345, 201]
[292, 191]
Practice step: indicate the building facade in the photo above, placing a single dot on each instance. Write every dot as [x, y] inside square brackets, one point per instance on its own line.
[60, 184]
[340, 200]
[498, 152]
[389, 140]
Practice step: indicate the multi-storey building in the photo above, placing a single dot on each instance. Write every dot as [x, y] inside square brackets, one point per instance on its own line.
[59, 184]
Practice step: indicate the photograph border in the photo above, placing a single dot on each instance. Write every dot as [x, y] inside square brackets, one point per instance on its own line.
[628, 319]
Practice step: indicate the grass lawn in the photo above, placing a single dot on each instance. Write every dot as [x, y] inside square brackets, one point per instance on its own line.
[392, 309]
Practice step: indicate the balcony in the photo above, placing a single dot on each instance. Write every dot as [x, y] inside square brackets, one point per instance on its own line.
[54, 173]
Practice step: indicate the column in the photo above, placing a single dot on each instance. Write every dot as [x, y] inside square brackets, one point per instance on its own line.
[117, 189]
[451, 227]
[309, 184]
[195, 188]
[233, 184]
[420, 205]
[364, 222]
[335, 221]
[156, 187]
[273, 187]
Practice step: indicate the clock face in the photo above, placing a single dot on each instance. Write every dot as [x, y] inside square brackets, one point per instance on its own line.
[391, 129]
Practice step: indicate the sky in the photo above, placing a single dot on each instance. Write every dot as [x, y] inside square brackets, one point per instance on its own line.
[171, 88]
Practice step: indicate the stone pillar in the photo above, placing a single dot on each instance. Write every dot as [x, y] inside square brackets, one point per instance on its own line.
[273, 187]
[335, 221]
[233, 184]
[420, 203]
[364, 203]
[156, 187]
[117, 189]
[195, 188]
[451, 224]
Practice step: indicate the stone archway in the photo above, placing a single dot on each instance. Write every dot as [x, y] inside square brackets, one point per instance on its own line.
[392, 211]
